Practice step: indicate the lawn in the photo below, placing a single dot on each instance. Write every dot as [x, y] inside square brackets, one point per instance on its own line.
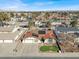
[49, 48]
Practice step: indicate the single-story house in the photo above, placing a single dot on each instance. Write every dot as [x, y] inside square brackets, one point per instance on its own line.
[37, 23]
[45, 34]
[30, 37]
[7, 28]
[77, 37]
[41, 32]
[40, 23]
[42, 27]
[23, 24]
[56, 21]
[67, 29]
[1, 23]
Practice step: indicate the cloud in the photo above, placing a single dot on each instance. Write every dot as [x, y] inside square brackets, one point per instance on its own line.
[71, 7]
[18, 5]
[43, 3]
[13, 5]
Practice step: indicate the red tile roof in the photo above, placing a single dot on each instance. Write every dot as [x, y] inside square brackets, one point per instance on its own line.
[28, 34]
[49, 34]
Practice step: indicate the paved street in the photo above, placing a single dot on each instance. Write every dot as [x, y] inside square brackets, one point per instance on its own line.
[29, 50]
[6, 49]
[22, 49]
[39, 57]
[26, 49]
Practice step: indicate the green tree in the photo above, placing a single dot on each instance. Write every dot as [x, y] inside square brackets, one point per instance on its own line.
[11, 14]
[30, 24]
[73, 23]
[49, 24]
[42, 40]
[23, 15]
[4, 16]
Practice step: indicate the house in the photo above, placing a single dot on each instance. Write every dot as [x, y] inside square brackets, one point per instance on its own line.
[31, 38]
[78, 23]
[48, 35]
[77, 37]
[45, 34]
[7, 28]
[23, 24]
[1, 24]
[67, 29]
[59, 35]
[37, 23]
[28, 34]
[43, 25]
[62, 31]
[55, 21]
[40, 23]
[14, 19]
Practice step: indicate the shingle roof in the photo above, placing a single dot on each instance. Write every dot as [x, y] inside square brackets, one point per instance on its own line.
[65, 29]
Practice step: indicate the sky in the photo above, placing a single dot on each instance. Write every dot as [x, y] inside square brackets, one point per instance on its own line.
[39, 5]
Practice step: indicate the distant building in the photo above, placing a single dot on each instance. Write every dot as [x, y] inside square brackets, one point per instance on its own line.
[41, 32]
[1, 23]
[77, 37]
[67, 29]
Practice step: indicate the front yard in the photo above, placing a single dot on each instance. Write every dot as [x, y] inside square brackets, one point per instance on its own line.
[49, 48]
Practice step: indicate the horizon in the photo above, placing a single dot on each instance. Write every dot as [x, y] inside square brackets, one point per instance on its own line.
[39, 5]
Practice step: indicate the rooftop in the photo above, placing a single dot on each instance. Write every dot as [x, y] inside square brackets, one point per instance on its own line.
[67, 29]
[7, 29]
